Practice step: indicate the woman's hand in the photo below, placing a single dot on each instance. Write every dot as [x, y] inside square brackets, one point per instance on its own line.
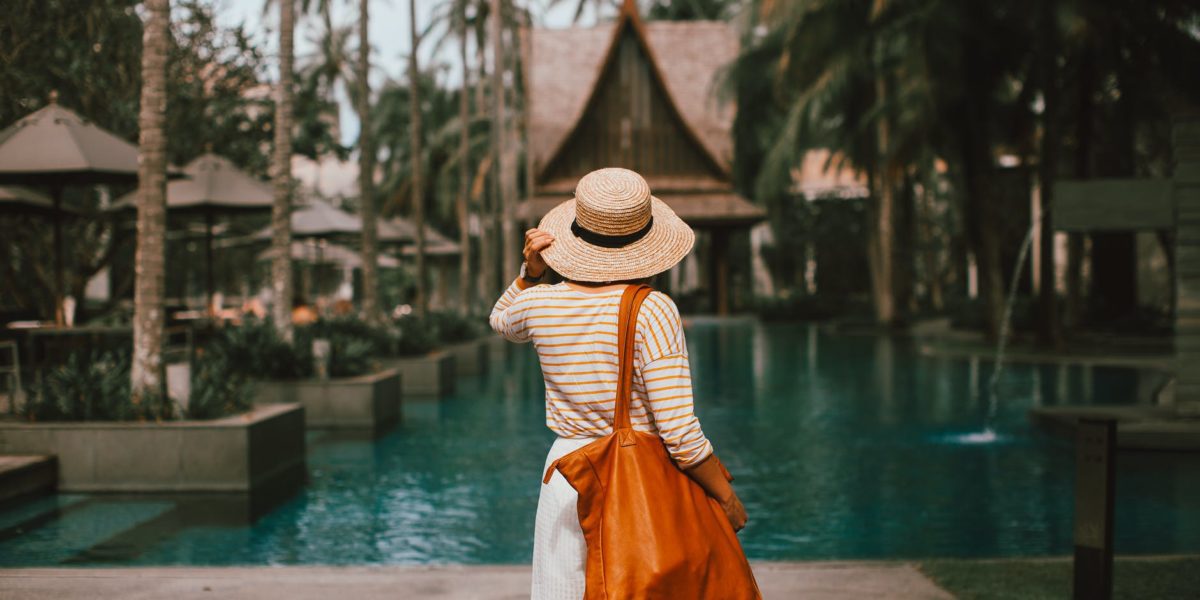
[735, 511]
[536, 240]
[713, 478]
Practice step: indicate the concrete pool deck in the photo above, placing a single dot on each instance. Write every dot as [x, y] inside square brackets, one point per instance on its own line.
[812, 580]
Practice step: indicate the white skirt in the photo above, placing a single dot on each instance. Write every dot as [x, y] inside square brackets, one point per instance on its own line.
[559, 550]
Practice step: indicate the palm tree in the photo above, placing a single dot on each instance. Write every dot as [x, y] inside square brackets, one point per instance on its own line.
[330, 65]
[418, 191]
[281, 211]
[829, 62]
[146, 373]
[504, 156]
[366, 170]
[464, 169]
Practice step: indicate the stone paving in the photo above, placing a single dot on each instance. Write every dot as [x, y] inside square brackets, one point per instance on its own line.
[812, 581]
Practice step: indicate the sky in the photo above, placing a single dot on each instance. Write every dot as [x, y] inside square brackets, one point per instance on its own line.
[389, 35]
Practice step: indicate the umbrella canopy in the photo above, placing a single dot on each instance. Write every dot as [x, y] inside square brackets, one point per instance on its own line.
[319, 219]
[213, 183]
[55, 146]
[329, 254]
[436, 244]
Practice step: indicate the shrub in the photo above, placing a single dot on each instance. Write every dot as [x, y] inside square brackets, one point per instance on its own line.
[378, 337]
[93, 386]
[451, 327]
[218, 388]
[255, 350]
[353, 344]
[414, 335]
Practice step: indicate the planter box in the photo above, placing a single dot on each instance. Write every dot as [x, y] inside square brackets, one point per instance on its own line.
[371, 401]
[470, 358]
[260, 449]
[23, 476]
[427, 375]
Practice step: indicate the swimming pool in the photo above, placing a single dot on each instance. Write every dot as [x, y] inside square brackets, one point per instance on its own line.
[843, 448]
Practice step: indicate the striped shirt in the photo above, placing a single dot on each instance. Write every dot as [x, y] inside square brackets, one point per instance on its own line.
[575, 335]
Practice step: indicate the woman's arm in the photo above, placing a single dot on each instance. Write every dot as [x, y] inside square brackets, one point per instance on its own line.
[502, 318]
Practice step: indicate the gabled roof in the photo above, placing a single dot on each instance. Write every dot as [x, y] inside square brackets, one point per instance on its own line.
[565, 65]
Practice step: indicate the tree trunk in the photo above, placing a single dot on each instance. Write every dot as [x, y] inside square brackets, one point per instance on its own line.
[504, 159]
[281, 209]
[904, 221]
[464, 174]
[486, 287]
[366, 172]
[1114, 253]
[418, 186]
[146, 376]
[881, 242]
[1049, 327]
[1083, 170]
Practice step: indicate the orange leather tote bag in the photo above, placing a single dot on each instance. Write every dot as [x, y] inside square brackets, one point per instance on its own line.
[651, 531]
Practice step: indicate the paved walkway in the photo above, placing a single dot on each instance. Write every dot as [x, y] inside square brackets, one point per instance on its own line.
[817, 581]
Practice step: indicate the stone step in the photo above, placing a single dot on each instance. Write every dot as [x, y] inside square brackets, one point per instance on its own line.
[27, 475]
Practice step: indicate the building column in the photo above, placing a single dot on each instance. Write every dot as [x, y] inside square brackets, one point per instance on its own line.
[719, 262]
[1187, 264]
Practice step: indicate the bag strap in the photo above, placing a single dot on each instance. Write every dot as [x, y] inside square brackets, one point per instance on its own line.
[631, 302]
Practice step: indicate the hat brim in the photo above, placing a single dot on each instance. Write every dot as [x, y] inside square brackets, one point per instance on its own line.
[667, 242]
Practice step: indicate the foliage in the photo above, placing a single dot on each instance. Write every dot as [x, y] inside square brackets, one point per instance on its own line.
[807, 308]
[415, 336]
[1046, 579]
[218, 388]
[451, 327]
[93, 386]
[255, 350]
[89, 52]
[910, 92]
[353, 344]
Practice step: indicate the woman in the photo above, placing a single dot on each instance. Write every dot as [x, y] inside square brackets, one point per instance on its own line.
[613, 233]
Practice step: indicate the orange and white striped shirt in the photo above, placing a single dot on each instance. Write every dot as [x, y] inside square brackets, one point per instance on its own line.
[575, 335]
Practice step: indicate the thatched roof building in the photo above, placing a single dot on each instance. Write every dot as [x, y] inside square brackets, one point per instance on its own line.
[641, 96]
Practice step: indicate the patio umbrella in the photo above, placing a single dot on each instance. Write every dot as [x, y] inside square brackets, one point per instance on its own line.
[214, 185]
[329, 254]
[320, 219]
[53, 147]
[436, 244]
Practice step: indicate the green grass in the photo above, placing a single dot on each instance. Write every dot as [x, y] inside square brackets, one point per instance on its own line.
[1035, 579]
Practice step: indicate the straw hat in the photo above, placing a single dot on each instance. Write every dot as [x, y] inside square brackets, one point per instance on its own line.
[614, 230]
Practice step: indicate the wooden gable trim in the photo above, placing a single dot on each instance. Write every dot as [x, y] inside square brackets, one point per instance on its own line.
[629, 17]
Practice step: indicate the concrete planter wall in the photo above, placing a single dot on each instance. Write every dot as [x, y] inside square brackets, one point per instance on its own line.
[260, 449]
[371, 401]
[426, 375]
[470, 358]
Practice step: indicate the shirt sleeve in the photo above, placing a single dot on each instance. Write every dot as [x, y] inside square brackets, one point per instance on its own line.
[506, 317]
[667, 378]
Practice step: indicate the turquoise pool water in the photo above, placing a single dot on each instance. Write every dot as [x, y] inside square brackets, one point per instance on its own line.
[843, 448]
